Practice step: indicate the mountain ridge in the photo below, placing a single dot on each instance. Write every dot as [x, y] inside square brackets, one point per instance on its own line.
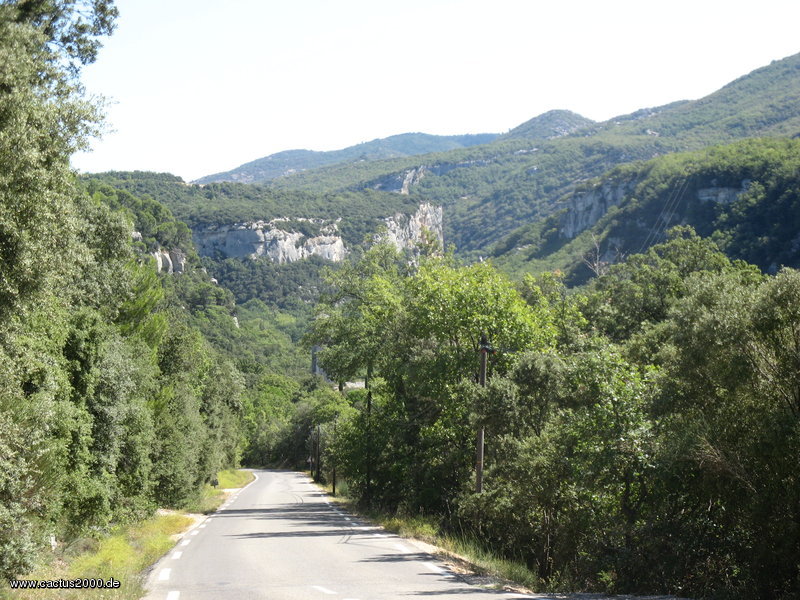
[287, 162]
[494, 193]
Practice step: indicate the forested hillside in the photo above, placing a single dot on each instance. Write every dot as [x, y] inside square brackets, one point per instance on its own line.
[744, 196]
[223, 203]
[292, 161]
[488, 191]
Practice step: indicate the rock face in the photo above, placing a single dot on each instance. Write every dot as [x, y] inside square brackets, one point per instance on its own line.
[401, 182]
[267, 238]
[722, 195]
[281, 242]
[405, 231]
[586, 208]
[170, 261]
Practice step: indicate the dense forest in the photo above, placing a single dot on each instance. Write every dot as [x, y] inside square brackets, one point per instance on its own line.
[112, 403]
[641, 435]
[641, 414]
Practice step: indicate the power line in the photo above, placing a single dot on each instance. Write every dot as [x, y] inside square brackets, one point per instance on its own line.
[672, 203]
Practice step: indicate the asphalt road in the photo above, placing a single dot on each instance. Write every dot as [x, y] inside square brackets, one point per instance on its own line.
[281, 538]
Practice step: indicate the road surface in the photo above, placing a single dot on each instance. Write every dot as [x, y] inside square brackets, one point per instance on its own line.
[280, 538]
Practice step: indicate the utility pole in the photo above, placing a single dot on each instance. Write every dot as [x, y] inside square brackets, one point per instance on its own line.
[333, 460]
[368, 385]
[484, 349]
[319, 443]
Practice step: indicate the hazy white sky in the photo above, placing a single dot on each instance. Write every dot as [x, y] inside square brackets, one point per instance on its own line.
[202, 86]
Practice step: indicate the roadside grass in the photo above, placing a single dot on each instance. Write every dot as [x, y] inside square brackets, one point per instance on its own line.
[234, 478]
[206, 501]
[209, 498]
[125, 553]
[465, 553]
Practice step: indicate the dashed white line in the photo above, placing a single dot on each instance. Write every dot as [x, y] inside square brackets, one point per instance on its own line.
[433, 567]
[319, 588]
[164, 574]
[203, 525]
[195, 532]
[177, 554]
[173, 595]
[402, 548]
[347, 518]
[185, 542]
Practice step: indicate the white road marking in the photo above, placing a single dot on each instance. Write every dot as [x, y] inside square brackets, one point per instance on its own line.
[203, 525]
[433, 567]
[380, 535]
[347, 518]
[173, 595]
[319, 588]
[185, 542]
[195, 532]
[164, 574]
[177, 554]
[402, 548]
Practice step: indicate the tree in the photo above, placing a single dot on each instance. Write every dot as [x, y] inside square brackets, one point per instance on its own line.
[643, 288]
[70, 27]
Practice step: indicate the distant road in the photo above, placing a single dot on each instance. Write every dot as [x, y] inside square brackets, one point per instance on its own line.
[281, 539]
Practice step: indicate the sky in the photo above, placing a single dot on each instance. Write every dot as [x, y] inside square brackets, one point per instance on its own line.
[195, 87]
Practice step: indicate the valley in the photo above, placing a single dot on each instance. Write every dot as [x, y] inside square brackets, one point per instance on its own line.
[612, 308]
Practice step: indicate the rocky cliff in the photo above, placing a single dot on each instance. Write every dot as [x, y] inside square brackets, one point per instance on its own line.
[585, 208]
[277, 239]
[288, 240]
[406, 231]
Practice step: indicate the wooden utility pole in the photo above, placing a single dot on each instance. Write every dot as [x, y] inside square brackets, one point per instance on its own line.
[319, 453]
[368, 385]
[333, 461]
[484, 349]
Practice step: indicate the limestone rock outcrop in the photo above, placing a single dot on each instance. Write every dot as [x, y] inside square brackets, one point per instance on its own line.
[585, 208]
[268, 238]
[406, 231]
[170, 261]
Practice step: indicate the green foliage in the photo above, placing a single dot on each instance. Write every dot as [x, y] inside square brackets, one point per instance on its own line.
[416, 337]
[209, 205]
[552, 124]
[662, 464]
[110, 403]
[71, 27]
[742, 195]
[35, 187]
[152, 219]
[643, 288]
